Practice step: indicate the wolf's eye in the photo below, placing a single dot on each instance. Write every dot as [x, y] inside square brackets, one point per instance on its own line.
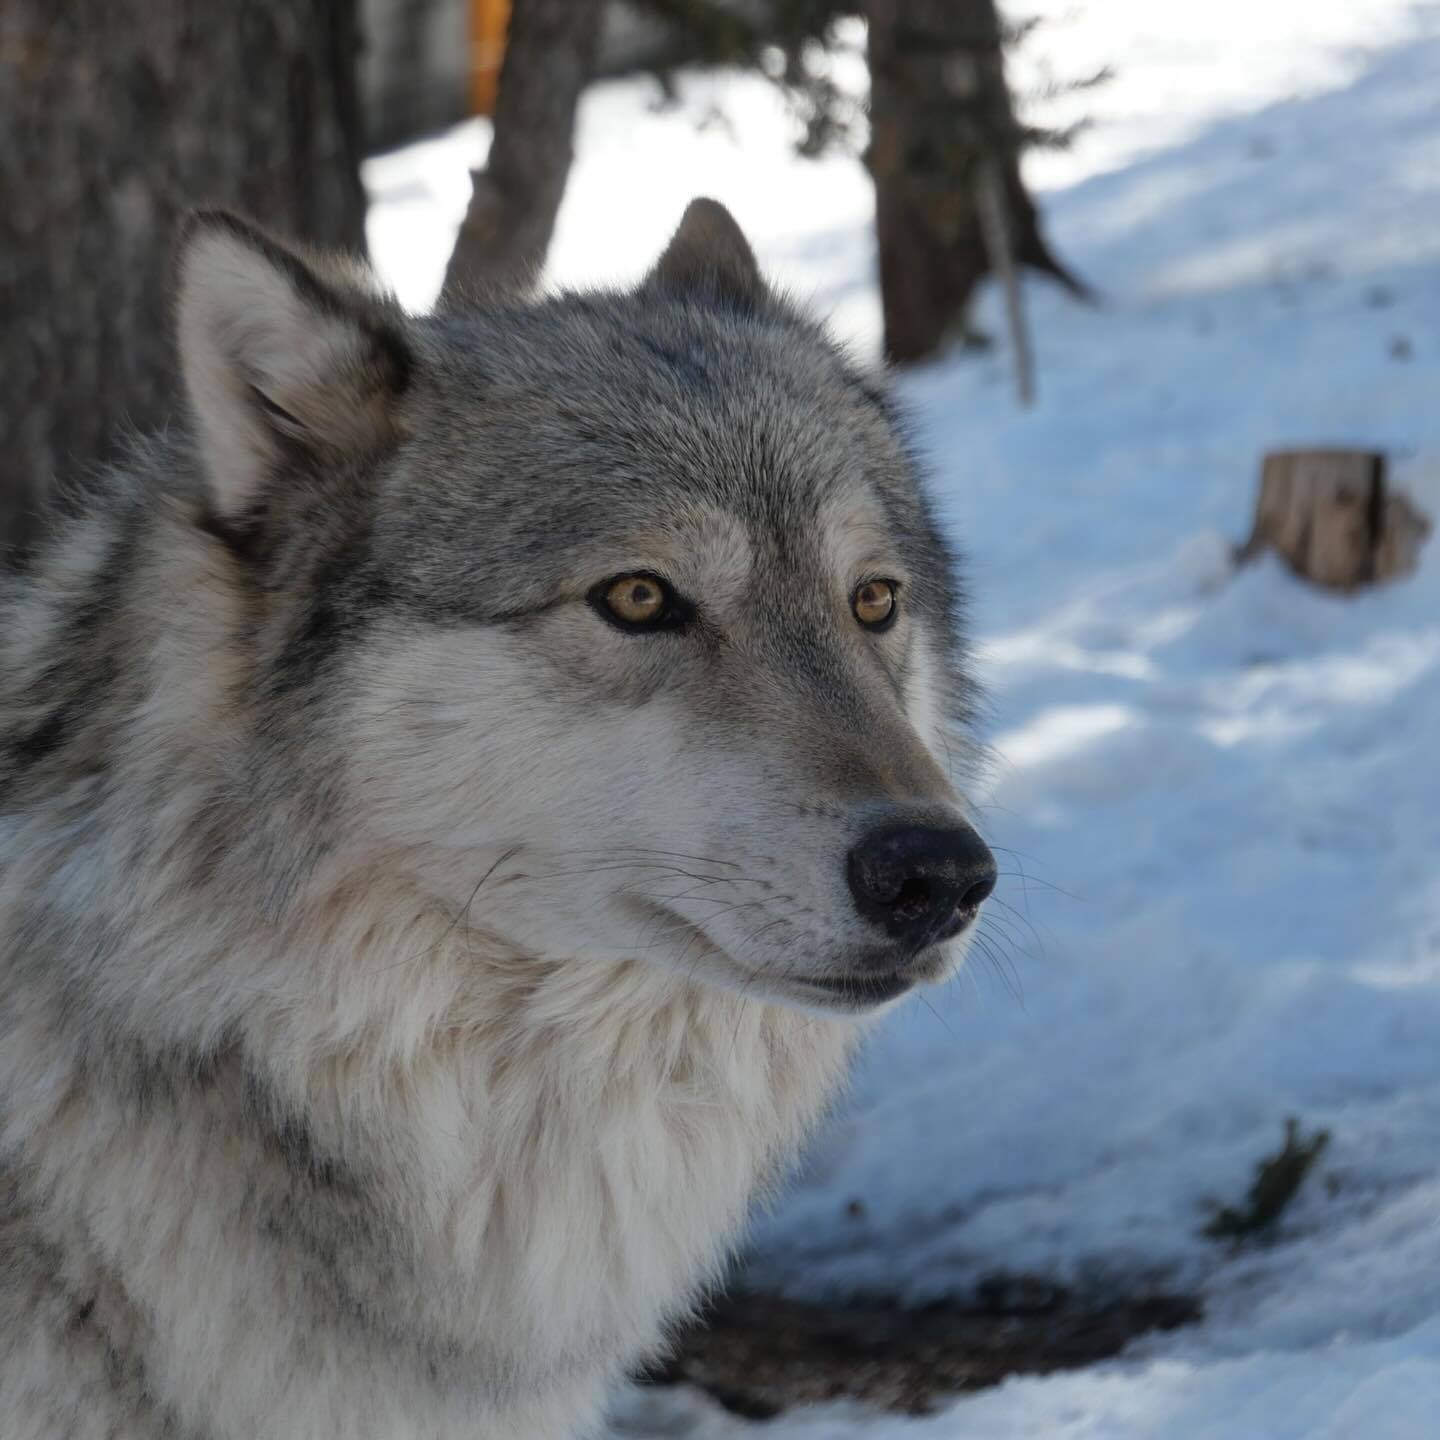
[637, 599]
[640, 602]
[875, 603]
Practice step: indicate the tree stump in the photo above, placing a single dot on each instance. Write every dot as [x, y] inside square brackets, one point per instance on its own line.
[1331, 517]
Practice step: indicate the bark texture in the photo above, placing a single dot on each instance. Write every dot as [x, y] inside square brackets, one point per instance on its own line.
[940, 112]
[549, 59]
[1332, 517]
[117, 115]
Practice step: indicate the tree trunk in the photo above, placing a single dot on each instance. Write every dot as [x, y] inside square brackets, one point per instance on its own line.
[116, 116]
[549, 59]
[939, 113]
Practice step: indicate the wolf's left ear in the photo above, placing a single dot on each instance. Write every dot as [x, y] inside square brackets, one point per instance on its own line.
[709, 259]
[279, 360]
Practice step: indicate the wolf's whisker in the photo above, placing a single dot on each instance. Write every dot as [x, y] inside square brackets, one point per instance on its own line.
[462, 917]
[1020, 919]
[925, 1000]
[645, 850]
[1002, 967]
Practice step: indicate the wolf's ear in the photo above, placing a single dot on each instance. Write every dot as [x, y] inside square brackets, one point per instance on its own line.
[709, 259]
[279, 360]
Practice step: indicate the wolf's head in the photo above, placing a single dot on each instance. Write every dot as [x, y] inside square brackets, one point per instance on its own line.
[620, 620]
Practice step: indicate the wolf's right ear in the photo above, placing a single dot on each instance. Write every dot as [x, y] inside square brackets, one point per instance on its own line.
[279, 360]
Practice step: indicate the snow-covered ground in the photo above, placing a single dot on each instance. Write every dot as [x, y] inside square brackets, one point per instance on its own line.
[1218, 793]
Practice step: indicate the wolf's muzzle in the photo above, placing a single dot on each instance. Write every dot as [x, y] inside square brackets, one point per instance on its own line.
[920, 884]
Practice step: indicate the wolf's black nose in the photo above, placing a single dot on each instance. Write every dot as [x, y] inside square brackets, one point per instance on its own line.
[920, 884]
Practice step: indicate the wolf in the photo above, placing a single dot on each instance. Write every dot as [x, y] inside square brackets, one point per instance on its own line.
[463, 792]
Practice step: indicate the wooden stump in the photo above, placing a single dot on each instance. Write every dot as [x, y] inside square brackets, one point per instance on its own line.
[1329, 515]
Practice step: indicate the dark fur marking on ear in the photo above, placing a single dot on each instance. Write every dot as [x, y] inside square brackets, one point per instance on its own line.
[373, 315]
[311, 287]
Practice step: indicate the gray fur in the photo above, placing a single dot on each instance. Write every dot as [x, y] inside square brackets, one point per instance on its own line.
[404, 976]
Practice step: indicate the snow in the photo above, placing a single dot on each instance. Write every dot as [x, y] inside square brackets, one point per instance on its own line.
[1217, 793]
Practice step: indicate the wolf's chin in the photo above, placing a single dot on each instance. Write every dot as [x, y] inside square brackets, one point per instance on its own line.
[856, 994]
[872, 991]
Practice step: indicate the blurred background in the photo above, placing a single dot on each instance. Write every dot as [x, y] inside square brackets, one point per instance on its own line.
[1160, 285]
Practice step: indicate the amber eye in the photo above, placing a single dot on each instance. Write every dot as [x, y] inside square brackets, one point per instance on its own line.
[874, 604]
[635, 599]
[640, 602]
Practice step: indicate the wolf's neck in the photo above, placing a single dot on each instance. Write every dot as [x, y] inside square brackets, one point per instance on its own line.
[532, 1164]
[510, 1090]
[584, 1141]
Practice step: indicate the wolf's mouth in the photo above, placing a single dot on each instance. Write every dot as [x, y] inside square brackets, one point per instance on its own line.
[879, 974]
[864, 989]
